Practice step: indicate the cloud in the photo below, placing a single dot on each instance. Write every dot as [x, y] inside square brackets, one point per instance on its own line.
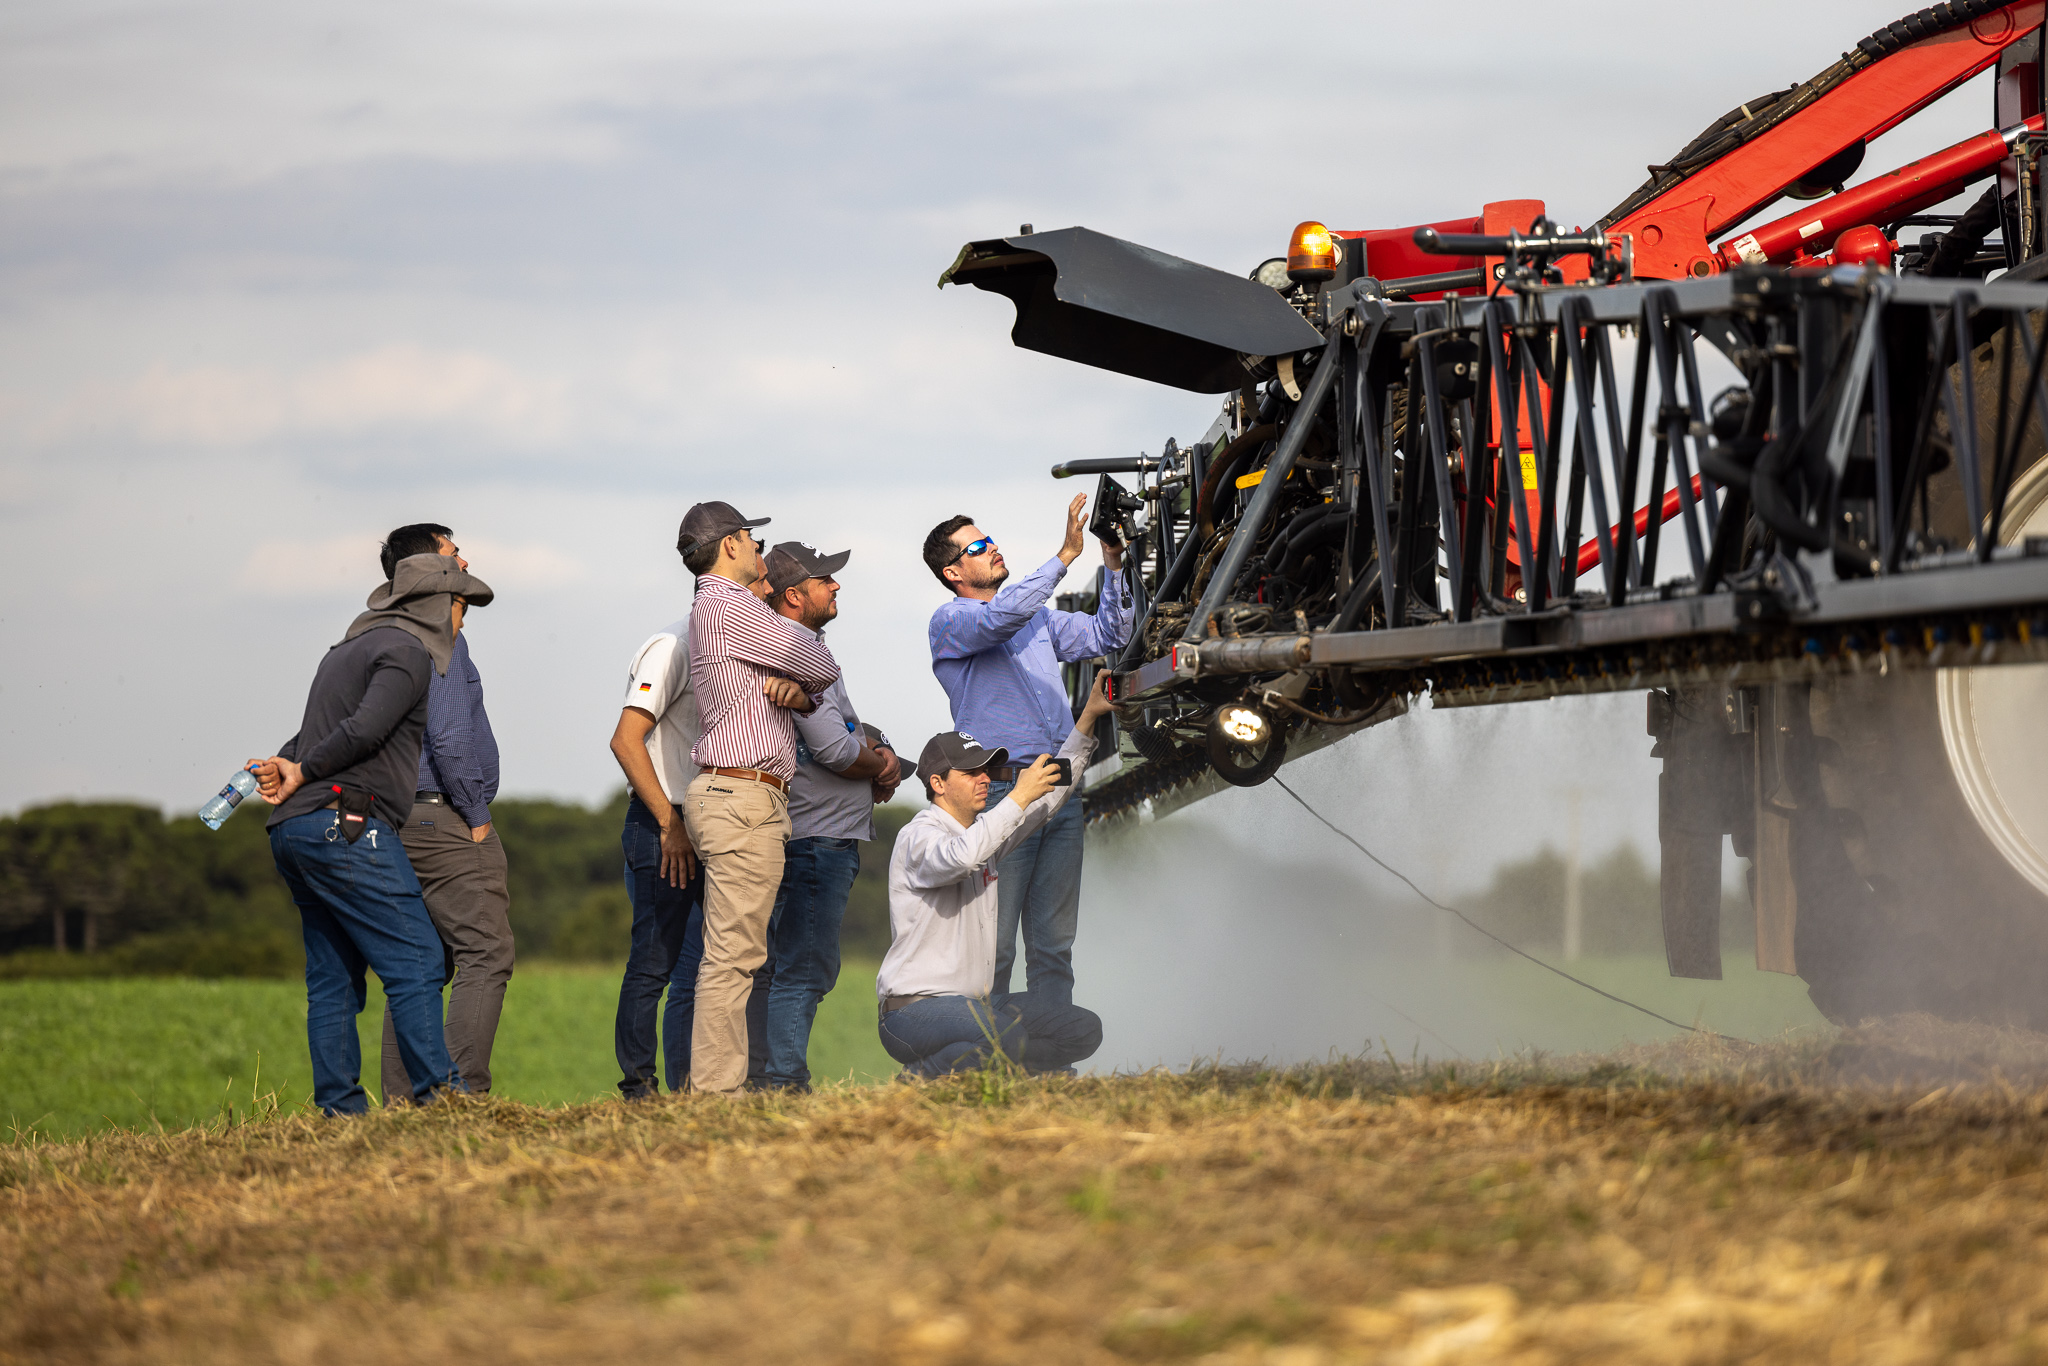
[328, 567]
[279, 278]
[528, 566]
[397, 386]
[281, 569]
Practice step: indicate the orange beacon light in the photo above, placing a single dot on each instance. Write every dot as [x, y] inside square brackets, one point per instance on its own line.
[1312, 254]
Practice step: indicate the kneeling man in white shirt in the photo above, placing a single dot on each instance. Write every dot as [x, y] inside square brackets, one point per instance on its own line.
[934, 984]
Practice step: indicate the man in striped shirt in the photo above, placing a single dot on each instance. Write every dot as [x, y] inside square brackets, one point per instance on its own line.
[747, 666]
[997, 648]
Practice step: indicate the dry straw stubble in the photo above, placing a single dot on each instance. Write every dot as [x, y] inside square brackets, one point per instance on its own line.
[1752, 1211]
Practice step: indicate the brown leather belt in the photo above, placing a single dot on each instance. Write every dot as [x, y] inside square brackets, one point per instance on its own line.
[752, 775]
[891, 1004]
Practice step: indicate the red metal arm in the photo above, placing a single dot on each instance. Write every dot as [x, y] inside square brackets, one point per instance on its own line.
[1906, 190]
[1589, 553]
[1672, 233]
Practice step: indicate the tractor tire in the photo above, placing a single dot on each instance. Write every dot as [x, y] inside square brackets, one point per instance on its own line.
[1919, 852]
[1905, 900]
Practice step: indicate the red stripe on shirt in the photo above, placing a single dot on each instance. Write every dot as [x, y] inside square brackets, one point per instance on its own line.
[735, 644]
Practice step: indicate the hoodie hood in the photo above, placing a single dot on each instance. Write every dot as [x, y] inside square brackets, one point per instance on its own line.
[419, 599]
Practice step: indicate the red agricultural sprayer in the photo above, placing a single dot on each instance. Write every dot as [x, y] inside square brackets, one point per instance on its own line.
[1480, 459]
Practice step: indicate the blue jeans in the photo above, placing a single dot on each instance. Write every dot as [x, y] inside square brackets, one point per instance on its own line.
[360, 906]
[803, 948]
[942, 1034]
[1039, 887]
[668, 944]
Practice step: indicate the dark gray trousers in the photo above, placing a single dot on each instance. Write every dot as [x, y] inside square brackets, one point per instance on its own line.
[469, 902]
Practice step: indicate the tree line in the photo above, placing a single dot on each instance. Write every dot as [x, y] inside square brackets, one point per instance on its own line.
[116, 888]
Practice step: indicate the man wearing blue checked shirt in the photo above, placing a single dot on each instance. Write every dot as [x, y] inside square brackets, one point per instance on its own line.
[997, 648]
[452, 848]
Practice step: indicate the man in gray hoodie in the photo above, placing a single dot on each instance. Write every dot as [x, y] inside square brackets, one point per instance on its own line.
[343, 787]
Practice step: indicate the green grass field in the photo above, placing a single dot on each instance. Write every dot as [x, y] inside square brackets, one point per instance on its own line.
[83, 1054]
[80, 1055]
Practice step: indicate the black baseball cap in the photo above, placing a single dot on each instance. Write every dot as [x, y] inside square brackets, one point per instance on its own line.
[709, 522]
[957, 750]
[792, 562]
[870, 732]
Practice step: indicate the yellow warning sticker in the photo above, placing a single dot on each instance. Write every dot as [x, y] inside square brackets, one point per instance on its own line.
[1529, 470]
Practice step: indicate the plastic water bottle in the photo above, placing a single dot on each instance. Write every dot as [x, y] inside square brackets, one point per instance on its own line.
[223, 805]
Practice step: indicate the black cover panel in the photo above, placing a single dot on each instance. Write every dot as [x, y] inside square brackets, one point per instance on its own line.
[1115, 305]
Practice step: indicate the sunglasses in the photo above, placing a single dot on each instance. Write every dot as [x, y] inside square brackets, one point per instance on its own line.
[980, 547]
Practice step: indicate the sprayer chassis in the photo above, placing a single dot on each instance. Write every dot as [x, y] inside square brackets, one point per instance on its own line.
[1426, 446]
[1867, 591]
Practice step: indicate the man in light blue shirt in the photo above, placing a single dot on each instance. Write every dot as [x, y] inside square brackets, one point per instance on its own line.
[997, 648]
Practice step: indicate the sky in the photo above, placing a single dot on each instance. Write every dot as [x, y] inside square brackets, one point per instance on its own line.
[276, 279]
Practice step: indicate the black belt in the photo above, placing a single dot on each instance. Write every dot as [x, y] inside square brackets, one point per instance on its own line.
[433, 797]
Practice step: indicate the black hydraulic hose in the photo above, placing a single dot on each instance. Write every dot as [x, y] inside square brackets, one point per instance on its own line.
[1776, 507]
[1267, 495]
[1354, 606]
[1766, 487]
[1283, 544]
[1225, 467]
[1729, 463]
[1298, 548]
[1177, 572]
[1176, 575]
[1120, 464]
[1954, 248]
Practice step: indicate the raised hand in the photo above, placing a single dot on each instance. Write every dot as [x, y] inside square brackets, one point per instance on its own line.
[1077, 523]
[1097, 706]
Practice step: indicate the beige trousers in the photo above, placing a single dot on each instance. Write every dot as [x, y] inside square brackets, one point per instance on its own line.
[739, 829]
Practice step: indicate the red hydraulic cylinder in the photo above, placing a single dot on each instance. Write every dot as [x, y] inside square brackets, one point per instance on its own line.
[1589, 553]
[1910, 188]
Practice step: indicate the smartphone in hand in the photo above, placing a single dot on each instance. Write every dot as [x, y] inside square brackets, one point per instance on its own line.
[1066, 768]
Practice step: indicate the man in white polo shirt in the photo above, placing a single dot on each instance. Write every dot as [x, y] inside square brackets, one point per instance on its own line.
[936, 1016]
[652, 743]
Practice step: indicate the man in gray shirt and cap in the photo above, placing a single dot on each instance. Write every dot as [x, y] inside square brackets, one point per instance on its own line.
[840, 776]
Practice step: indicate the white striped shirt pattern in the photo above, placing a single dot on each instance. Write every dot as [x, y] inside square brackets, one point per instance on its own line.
[735, 644]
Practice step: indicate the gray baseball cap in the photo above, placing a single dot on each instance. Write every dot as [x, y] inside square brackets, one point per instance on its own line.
[712, 522]
[791, 562]
[957, 750]
[420, 576]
